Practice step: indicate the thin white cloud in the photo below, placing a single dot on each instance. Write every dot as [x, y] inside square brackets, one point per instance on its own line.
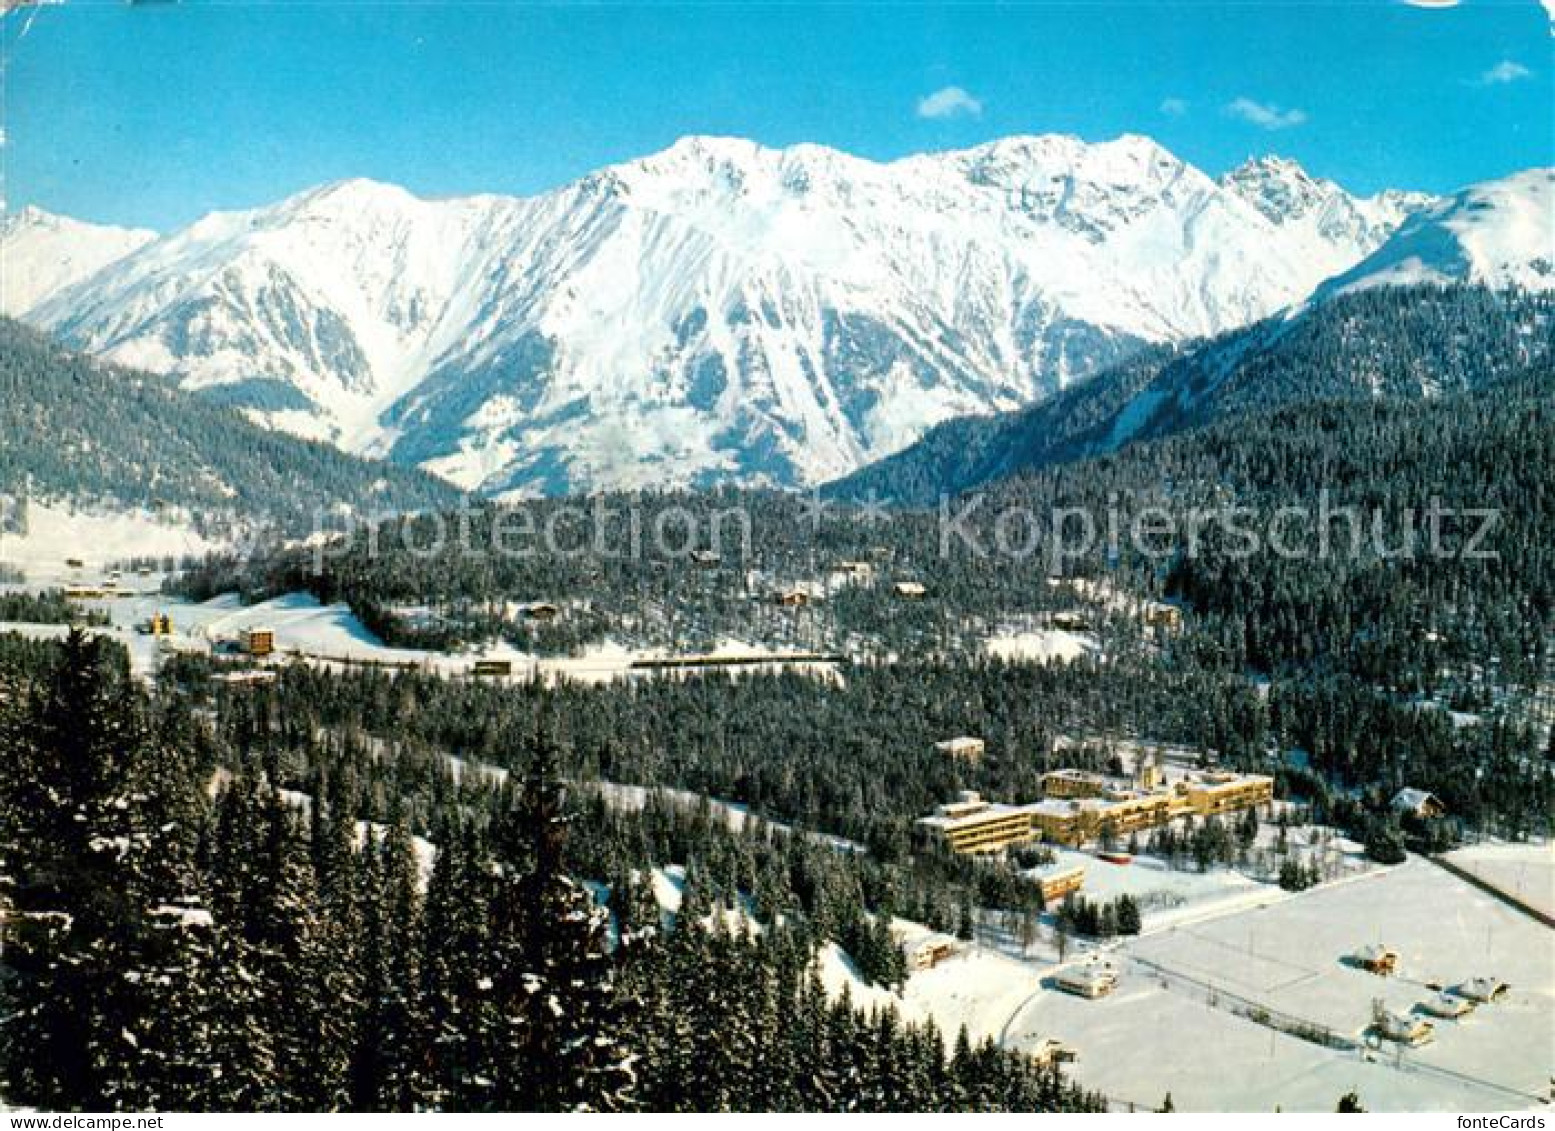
[1265, 115]
[1437, 3]
[1507, 70]
[1177, 107]
[949, 102]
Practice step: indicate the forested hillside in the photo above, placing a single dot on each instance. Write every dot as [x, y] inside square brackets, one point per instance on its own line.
[226, 911]
[93, 435]
[1351, 653]
[1388, 343]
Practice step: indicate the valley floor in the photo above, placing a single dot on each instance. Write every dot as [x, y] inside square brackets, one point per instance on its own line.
[332, 635]
[1177, 1022]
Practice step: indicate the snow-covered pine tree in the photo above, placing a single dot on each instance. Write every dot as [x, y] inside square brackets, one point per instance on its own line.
[560, 1033]
[97, 955]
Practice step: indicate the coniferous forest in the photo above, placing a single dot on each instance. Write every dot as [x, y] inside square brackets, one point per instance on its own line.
[184, 931]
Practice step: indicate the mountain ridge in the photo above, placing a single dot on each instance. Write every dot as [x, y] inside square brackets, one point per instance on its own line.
[720, 311]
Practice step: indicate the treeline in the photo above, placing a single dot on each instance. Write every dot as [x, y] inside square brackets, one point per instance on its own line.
[46, 607]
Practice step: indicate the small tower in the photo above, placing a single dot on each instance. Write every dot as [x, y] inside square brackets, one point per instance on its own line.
[1149, 774]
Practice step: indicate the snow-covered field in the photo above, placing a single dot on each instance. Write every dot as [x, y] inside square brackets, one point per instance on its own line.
[1042, 645]
[1290, 956]
[976, 987]
[1527, 871]
[1177, 1032]
[1167, 895]
[96, 539]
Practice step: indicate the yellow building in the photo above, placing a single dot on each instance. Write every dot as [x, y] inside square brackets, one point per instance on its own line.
[972, 825]
[1126, 813]
[1079, 805]
[1222, 793]
[1073, 783]
[1065, 822]
[1059, 882]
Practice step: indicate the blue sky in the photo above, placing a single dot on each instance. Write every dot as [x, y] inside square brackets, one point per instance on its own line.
[156, 113]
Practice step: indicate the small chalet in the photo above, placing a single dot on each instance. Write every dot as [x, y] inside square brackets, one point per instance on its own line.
[1377, 959]
[1091, 980]
[1158, 614]
[1483, 990]
[1448, 1006]
[798, 596]
[1418, 803]
[1406, 1029]
[963, 749]
[929, 951]
[1048, 1052]
[257, 641]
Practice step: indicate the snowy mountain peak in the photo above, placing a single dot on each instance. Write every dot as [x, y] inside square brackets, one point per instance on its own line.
[1284, 193]
[1500, 233]
[30, 217]
[352, 194]
[42, 253]
[1126, 161]
[1278, 187]
[33, 217]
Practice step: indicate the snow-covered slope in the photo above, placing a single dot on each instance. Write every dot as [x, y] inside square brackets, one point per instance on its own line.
[1499, 233]
[41, 253]
[718, 311]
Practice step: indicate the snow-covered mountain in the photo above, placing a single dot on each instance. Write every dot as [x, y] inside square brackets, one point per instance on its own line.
[1499, 233]
[718, 311]
[41, 253]
[1454, 301]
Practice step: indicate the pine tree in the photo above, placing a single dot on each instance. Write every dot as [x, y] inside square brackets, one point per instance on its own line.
[558, 1029]
[1128, 918]
[106, 945]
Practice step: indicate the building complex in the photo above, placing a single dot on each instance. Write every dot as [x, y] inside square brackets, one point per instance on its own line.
[1080, 806]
